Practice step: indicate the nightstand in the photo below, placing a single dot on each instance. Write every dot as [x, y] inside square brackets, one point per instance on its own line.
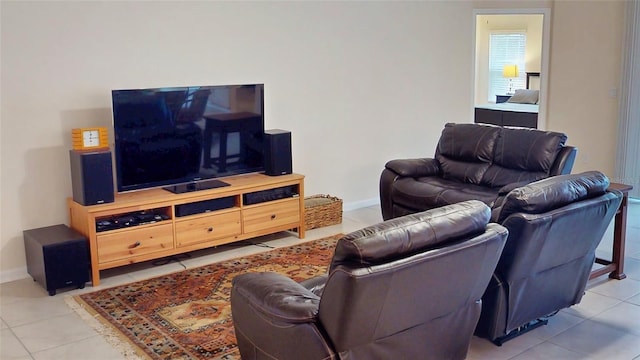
[502, 98]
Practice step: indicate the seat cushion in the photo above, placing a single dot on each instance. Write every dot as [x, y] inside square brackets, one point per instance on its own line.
[430, 192]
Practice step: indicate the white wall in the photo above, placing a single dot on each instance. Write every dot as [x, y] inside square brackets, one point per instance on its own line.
[357, 83]
[584, 78]
[584, 74]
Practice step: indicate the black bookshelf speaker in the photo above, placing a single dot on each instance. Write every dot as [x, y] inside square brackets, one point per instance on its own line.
[91, 177]
[277, 154]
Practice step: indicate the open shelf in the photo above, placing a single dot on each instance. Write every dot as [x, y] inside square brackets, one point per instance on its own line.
[155, 223]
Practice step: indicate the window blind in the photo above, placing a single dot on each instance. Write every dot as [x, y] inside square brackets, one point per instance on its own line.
[505, 48]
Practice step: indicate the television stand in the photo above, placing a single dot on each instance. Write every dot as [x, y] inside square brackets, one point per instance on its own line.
[196, 186]
[151, 224]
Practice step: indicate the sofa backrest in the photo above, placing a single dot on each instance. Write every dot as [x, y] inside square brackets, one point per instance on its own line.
[551, 193]
[391, 283]
[495, 156]
[409, 234]
[465, 151]
[523, 154]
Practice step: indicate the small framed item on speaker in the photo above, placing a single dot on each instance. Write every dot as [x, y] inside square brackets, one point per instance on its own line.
[277, 154]
[93, 138]
[91, 177]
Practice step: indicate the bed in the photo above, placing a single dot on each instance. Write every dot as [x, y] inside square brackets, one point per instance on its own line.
[519, 110]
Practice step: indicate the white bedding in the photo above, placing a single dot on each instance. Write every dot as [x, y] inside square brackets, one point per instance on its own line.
[506, 106]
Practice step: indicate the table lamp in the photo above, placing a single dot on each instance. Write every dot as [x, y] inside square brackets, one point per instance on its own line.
[510, 71]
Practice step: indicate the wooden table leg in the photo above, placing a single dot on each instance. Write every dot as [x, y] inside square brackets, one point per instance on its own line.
[615, 267]
[619, 240]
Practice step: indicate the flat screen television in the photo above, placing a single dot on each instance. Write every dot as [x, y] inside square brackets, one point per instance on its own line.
[186, 138]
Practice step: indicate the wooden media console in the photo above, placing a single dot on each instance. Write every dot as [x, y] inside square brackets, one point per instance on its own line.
[158, 228]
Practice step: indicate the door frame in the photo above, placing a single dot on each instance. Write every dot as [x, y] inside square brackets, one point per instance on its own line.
[544, 59]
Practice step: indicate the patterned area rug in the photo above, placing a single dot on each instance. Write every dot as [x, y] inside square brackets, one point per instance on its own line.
[187, 315]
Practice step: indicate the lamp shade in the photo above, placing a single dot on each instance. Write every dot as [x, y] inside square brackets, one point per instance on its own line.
[510, 71]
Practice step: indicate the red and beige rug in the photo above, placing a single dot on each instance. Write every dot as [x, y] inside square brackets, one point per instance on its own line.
[187, 315]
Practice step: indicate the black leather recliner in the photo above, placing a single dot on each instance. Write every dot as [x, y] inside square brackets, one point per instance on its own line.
[554, 227]
[408, 288]
[473, 161]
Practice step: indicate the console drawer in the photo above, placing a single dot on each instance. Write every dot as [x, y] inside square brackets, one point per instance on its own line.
[271, 215]
[134, 242]
[206, 228]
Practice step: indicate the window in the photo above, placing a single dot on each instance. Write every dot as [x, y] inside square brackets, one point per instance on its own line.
[506, 48]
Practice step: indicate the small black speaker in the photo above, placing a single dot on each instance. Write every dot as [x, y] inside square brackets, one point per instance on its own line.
[57, 257]
[277, 154]
[91, 177]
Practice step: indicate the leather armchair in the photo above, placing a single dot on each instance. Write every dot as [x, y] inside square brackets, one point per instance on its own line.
[408, 288]
[554, 227]
[473, 161]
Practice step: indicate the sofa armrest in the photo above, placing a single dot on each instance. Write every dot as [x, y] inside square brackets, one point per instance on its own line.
[507, 188]
[315, 284]
[496, 206]
[564, 161]
[274, 317]
[276, 296]
[414, 167]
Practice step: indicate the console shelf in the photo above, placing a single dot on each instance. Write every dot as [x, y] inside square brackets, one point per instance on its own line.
[116, 240]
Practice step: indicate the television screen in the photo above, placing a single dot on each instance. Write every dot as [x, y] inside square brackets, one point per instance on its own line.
[186, 135]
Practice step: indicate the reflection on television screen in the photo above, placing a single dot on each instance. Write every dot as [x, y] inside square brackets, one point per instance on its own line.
[187, 135]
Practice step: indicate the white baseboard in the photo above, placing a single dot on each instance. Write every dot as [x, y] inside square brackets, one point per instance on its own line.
[360, 204]
[13, 274]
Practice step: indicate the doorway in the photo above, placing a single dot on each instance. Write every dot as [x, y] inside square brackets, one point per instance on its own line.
[490, 83]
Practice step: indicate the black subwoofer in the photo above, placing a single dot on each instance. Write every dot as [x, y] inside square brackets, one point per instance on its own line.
[277, 154]
[91, 177]
[57, 257]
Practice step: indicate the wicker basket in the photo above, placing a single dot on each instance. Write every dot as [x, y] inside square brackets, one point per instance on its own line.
[322, 210]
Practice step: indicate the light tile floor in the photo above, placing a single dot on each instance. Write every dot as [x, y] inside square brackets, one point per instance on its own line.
[605, 325]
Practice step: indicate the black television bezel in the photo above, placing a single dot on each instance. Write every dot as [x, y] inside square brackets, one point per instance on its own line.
[185, 184]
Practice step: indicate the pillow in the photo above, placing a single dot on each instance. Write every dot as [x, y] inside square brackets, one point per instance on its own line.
[524, 96]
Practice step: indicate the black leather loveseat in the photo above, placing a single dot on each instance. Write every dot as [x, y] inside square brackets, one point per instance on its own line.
[473, 161]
